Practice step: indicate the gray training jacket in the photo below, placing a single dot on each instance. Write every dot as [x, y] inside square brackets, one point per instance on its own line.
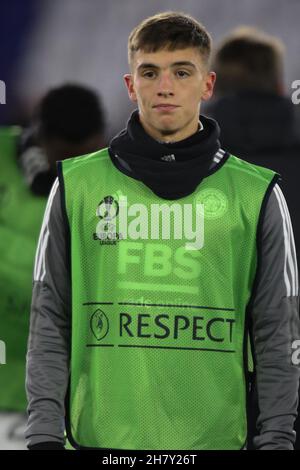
[275, 326]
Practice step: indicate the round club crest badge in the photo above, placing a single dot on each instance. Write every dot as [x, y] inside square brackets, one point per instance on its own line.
[215, 203]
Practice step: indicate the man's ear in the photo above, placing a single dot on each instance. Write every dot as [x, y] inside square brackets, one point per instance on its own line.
[209, 86]
[128, 79]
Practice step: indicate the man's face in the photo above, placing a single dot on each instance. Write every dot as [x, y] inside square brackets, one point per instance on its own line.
[168, 87]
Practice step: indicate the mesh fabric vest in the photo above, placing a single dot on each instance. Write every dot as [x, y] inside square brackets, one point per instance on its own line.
[21, 215]
[158, 328]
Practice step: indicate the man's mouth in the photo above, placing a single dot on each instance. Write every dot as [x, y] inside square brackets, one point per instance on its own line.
[166, 107]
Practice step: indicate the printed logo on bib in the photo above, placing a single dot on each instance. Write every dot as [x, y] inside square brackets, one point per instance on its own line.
[134, 324]
[99, 324]
[215, 203]
[106, 230]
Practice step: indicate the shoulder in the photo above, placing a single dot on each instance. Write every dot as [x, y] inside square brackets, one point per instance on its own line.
[243, 166]
[83, 161]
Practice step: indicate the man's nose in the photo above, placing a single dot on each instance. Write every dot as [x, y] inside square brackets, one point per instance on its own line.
[165, 85]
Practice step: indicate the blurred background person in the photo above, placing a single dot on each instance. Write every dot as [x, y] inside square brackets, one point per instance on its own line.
[259, 122]
[69, 121]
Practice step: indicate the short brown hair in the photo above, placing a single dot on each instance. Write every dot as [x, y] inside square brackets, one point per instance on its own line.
[248, 59]
[169, 30]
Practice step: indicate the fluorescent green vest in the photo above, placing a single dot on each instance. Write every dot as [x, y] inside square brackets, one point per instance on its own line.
[21, 215]
[158, 315]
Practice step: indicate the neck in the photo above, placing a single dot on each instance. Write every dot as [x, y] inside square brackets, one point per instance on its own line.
[171, 137]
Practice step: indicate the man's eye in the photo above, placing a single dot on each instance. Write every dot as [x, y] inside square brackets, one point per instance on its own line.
[182, 73]
[149, 74]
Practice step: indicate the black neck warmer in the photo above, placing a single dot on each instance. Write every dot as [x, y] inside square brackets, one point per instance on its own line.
[170, 170]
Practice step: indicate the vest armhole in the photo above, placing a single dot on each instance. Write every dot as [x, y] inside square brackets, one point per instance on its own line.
[68, 257]
[248, 323]
[64, 214]
[250, 376]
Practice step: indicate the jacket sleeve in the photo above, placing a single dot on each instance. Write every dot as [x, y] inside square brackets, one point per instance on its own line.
[49, 337]
[275, 328]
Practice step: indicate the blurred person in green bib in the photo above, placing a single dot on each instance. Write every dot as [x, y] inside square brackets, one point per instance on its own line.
[68, 121]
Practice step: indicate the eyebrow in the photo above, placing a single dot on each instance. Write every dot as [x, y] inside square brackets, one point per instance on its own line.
[174, 64]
